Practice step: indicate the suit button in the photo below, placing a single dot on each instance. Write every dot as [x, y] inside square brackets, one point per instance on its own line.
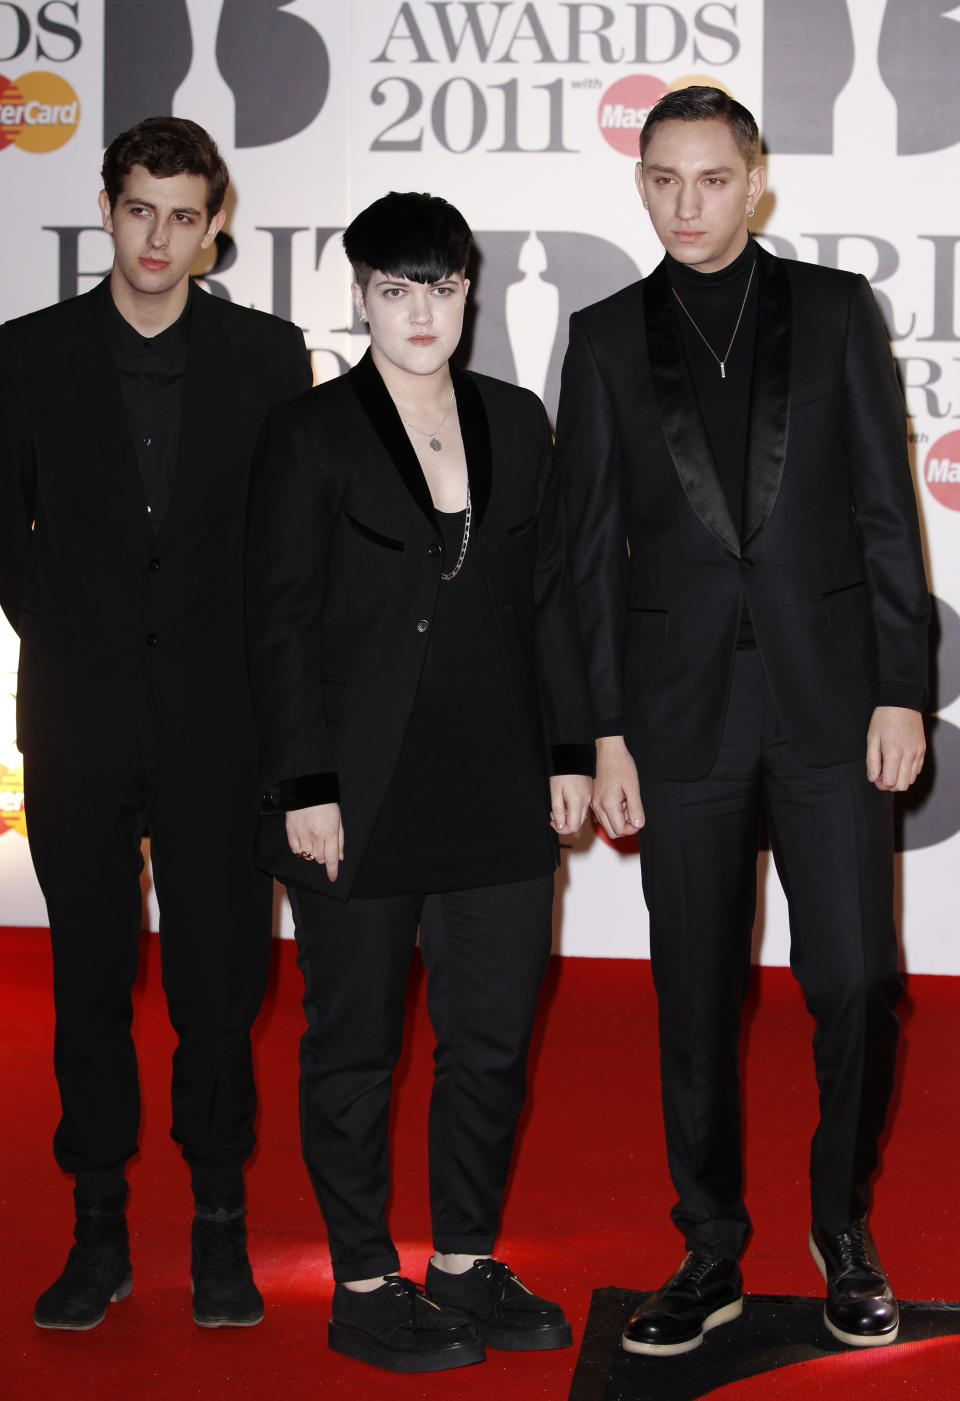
[434, 550]
[152, 639]
[423, 624]
[154, 563]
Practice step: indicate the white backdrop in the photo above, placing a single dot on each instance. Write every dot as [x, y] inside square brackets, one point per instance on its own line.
[525, 115]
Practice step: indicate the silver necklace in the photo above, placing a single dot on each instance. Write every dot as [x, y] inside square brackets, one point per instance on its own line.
[468, 515]
[435, 442]
[722, 363]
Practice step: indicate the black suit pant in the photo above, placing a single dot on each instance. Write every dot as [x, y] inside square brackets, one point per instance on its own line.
[485, 953]
[832, 840]
[85, 828]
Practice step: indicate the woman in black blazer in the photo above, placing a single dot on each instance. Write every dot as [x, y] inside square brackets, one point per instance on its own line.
[424, 721]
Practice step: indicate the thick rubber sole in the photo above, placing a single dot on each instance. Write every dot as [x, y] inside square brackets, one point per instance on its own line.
[121, 1292]
[726, 1314]
[553, 1335]
[351, 1342]
[841, 1335]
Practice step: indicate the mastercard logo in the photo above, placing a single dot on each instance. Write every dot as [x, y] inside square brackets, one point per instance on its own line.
[941, 471]
[39, 112]
[12, 818]
[624, 106]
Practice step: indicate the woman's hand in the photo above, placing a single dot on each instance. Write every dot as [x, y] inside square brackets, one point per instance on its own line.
[569, 801]
[316, 834]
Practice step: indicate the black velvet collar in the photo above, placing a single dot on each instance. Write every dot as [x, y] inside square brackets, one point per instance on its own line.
[769, 406]
[375, 399]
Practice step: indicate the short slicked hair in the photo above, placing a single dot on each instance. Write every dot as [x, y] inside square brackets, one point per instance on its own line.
[166, 146]
[418, 236]
[703, 104]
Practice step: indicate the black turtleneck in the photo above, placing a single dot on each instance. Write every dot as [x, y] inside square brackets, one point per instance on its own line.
[713, 300]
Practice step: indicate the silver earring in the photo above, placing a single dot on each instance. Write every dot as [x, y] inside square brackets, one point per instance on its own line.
[750, 213]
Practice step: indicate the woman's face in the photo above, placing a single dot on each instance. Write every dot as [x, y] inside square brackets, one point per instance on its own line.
[414, 326]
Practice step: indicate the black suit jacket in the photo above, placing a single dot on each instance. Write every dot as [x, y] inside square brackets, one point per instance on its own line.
[829, 561]
[344, 562]
[112, 618]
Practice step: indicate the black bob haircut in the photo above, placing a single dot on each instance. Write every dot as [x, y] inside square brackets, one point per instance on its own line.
[420, 237]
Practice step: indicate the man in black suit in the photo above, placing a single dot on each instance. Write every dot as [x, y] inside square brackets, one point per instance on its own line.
[752, 598]
[129, 417]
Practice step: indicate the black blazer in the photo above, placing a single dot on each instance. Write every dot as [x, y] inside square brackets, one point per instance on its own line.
[109, 614]
[344, 561]
[829, 560]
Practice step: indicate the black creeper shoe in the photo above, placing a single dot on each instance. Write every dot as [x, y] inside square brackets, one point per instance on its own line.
[507, 1313]
[397, 1327]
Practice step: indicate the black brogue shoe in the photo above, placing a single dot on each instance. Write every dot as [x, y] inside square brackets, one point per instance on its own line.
[706, 1291]
[398, 1328]
[508, 1315]
[861, 1309]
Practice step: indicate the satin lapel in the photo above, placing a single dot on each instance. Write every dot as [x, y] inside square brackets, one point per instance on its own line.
[91, 361]
[680, 413]
[382, 413]
[475, 432]
[770, 400]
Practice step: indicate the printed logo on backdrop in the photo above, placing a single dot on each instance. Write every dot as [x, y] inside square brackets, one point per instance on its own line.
[835, 70]
[941, 470]
[247, 70]
[624, 106]
[437, 104]
[11, 765]
[39, 112]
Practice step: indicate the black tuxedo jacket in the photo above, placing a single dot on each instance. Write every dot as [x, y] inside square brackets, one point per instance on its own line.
[111, 617]
[344, 562]
[828, 556]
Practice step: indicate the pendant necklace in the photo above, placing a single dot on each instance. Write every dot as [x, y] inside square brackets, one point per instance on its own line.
[726, 354]
[435, 442]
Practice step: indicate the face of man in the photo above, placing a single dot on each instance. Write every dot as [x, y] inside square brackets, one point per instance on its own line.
[698, 189]
[414, 326]
[158, 226]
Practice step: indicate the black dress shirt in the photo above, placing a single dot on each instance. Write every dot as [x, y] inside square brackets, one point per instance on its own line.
[151, 381]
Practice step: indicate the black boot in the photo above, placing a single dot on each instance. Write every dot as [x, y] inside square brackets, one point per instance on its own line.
[224, 1294]
[97, 1271]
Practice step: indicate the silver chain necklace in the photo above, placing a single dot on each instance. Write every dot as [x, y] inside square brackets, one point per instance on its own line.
[726, 354]
[435, 442]
[467, 517]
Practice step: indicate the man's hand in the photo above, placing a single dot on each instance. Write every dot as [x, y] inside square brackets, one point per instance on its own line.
[895, 747]
[616, 789]
[317, 834]
[569, 801]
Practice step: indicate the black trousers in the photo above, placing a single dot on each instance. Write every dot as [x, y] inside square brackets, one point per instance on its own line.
[84, 829]
[832, 840]
[485, 953]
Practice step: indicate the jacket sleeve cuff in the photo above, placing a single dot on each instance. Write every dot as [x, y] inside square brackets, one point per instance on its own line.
[573, 758]
[306, 792]
[903, 693]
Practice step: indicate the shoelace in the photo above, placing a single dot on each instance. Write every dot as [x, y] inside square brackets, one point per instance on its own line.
[697, 1267]
[853, 1251]
[402, 1287]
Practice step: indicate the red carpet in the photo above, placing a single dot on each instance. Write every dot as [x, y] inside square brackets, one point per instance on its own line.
[588, 1206]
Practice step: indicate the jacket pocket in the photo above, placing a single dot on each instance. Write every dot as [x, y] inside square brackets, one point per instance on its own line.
[848, 607]
[370, 534]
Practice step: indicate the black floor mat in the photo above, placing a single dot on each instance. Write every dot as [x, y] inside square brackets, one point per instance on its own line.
[774, 1331]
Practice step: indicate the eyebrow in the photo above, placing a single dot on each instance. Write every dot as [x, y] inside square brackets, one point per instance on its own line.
[671, 170]
[149, 204]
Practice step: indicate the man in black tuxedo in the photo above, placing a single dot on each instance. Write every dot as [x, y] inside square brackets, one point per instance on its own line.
[130, 415]
[752, 597]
